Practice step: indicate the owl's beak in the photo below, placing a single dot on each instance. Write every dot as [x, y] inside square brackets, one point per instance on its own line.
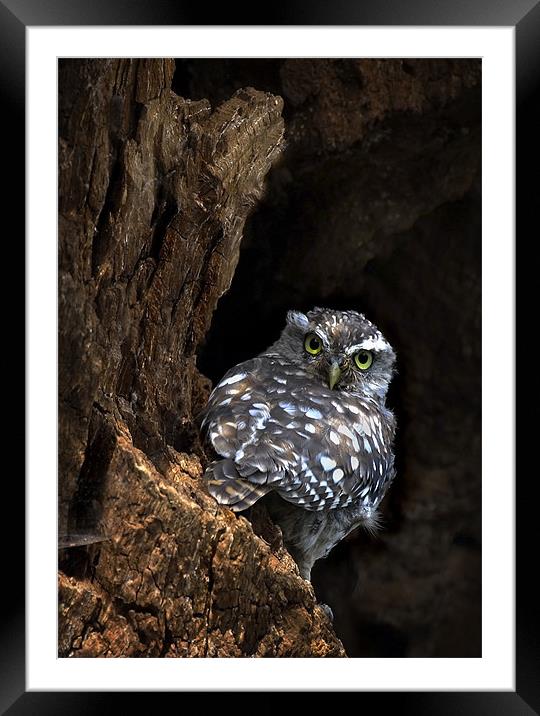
[334, 374]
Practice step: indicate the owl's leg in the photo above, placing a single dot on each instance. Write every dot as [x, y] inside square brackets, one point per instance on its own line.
[305, 564]
[304, 561]
[295, 527]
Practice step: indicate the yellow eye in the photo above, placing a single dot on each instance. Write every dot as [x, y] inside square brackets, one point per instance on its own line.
[363, 359]
[313, 344]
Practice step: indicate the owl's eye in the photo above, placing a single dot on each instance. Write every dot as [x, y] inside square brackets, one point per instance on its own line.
[363, 359]
[313, 344]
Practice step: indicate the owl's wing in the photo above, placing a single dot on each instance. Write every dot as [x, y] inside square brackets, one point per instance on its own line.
[314, 449]
[239, 424]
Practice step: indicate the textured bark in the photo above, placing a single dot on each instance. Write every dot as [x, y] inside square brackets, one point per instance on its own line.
[180, 576]
[154, 191]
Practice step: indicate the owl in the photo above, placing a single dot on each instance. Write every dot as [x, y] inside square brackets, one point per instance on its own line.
[306, 420]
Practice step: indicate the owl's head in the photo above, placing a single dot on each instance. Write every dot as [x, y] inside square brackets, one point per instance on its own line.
[342, 349]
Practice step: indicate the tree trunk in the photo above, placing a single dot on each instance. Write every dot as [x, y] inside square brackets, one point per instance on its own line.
[154, 193]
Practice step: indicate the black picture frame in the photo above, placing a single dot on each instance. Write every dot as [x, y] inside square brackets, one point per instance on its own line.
[524, 16]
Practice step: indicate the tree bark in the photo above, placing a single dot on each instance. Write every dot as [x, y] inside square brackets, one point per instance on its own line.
[154, 191]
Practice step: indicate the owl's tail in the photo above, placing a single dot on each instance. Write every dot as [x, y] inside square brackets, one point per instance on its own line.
[229, 488]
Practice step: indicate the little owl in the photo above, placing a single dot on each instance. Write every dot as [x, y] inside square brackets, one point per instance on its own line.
[307, 420]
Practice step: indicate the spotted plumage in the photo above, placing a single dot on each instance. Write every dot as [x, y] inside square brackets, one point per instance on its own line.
[307, 421]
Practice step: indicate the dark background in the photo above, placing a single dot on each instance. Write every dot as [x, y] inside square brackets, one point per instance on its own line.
[376, 206]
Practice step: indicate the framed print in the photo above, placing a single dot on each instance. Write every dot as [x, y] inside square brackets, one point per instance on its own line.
[205, 442]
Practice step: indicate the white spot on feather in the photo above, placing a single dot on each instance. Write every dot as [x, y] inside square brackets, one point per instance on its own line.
[315, 414]
[334, 437]
[344, 430]
[362, 428]
[337, 475]
[288, 407]
[260, 415]
[376, 343]
[327, 463]
[233, 379]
